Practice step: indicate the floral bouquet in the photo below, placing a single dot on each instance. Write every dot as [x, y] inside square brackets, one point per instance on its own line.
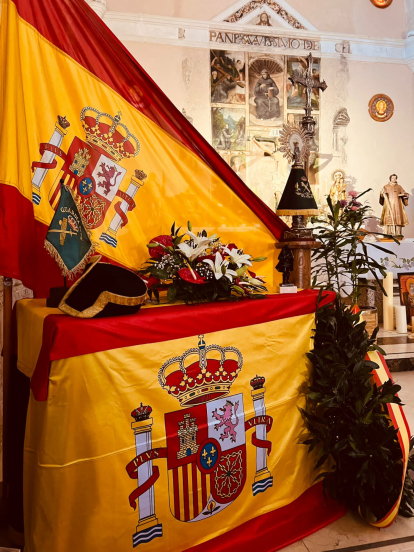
[199, 268]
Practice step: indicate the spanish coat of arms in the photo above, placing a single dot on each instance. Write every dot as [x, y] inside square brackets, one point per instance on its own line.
[92, 170]
[206, 440]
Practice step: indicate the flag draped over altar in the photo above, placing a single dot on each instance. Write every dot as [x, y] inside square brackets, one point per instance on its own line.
[77, 109]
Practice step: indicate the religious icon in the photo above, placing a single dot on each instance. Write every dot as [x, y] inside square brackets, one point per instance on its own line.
[296, 118]
[394, 199]
[406, 287]
[266, 89]
[303, 83]
[382, 3]
[338, 188]
[381, 108]
[264, 20]
[229, 128]
[294, 144]
[228, 76]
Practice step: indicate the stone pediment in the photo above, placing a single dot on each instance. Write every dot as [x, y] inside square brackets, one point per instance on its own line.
[268, 13]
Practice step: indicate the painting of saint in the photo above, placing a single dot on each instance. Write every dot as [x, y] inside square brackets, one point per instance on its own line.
[296, 93]
[264, 20]
[228, 128]
[266, 90]
[228, 77]
[406, 285]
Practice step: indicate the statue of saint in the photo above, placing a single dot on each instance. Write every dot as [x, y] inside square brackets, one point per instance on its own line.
[285, 264]
[394, 199]
[338, 188]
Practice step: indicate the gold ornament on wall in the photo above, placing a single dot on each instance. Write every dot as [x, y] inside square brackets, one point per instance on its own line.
[382, 3]
[381, 108]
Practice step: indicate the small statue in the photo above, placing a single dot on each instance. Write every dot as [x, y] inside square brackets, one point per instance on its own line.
[296, 154]
[338, 188]
[394, 199]
[285, 264]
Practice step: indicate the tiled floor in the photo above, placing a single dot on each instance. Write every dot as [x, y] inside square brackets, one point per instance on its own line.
[351, 533]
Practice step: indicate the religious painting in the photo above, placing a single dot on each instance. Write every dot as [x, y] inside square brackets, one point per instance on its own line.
[406, 287]
[228, 77]
[382, 3]
[381, 108]
[296, 93]
[266, 89]
[228, 128]
[295, 118]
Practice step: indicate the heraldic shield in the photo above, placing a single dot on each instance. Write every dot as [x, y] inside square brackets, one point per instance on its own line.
[205, 440]
[206, 457]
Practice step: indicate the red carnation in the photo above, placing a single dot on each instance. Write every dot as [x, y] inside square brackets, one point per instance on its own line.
[232, 246]
[188, 276]
[159, 252]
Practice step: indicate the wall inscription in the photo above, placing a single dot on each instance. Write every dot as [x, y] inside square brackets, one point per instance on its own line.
[261, 40]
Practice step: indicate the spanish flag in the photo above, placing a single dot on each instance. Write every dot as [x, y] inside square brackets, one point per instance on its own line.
[77, 110]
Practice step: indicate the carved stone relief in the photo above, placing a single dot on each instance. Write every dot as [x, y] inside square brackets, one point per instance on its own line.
[187, 70]
[275, 6]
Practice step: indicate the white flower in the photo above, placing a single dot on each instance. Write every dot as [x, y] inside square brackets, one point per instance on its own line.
[219, 268]
[191, 251]
[201, 240]
[237, 257]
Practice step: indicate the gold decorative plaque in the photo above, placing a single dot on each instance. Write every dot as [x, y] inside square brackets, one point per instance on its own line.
[382, 3]
[381, 108]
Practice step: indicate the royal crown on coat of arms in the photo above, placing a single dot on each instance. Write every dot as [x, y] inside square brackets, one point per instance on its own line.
[109, 134]
[141, 413]
[204, 379]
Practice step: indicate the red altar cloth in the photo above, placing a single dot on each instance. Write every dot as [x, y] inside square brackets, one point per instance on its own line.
[65, 337]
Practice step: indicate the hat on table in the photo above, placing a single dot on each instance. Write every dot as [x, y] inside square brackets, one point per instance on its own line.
[104, 290]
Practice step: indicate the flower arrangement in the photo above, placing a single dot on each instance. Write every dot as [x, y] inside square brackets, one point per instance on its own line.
[197, 268]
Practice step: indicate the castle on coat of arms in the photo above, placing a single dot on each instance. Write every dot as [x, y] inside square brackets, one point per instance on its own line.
[188, 437]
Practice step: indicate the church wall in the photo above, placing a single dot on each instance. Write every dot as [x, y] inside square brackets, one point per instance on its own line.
[373, 150]
[357, 17]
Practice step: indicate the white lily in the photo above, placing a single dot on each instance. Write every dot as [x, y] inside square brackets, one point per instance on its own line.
[237, 257]
[201, 240]
[191, 252]
[217, 268]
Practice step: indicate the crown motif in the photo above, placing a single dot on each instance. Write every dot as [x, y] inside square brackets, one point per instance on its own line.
[63, 122]
[108, 134]
[205, 379]
[141, 413]
[257, 382]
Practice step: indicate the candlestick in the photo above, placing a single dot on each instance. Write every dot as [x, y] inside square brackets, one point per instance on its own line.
[400, 318]
[388, 283]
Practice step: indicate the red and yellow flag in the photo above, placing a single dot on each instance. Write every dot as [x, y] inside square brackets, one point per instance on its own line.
[77, 108]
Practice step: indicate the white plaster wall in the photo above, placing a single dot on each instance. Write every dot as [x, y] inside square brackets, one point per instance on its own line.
[358, 17]
[374, 150]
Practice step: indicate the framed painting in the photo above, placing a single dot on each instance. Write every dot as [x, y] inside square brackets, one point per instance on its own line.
[406, 288]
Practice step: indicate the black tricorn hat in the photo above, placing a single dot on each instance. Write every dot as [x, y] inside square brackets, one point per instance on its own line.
[297, 198]
[104, 290]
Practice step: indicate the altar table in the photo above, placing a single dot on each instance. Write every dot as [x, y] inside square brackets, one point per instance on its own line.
[169, 428]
